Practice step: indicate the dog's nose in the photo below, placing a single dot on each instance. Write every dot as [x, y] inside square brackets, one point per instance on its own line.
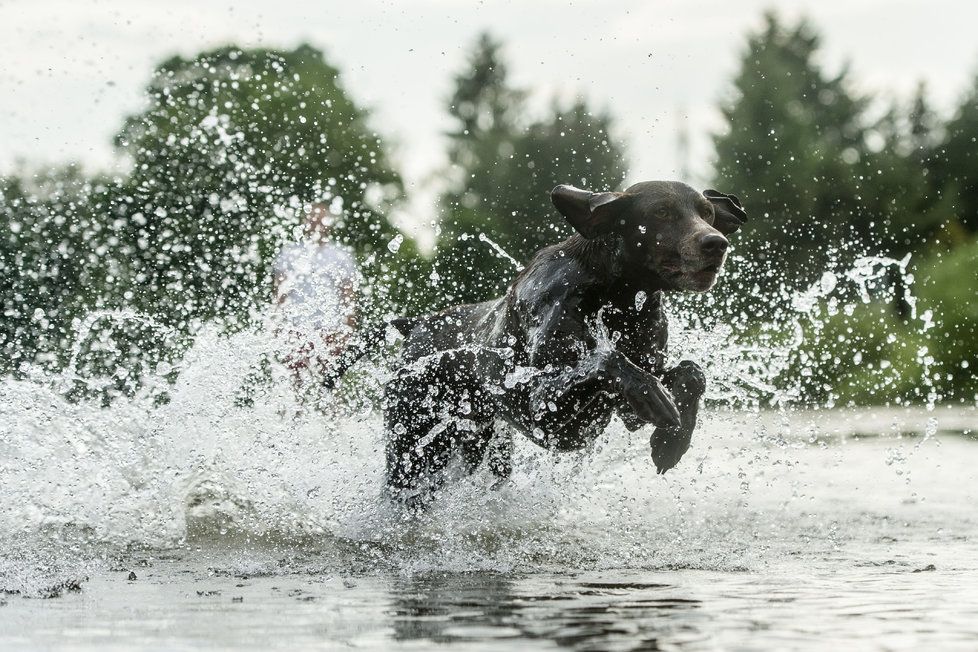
[714, 244]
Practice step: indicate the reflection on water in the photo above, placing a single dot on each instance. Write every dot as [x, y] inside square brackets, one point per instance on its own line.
[473, 607]
[839, 603]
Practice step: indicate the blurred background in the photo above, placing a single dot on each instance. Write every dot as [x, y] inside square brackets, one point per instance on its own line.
[156, 156]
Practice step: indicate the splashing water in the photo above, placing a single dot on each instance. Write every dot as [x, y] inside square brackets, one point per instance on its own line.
[500, 251]
[754, 365]
[201, 468]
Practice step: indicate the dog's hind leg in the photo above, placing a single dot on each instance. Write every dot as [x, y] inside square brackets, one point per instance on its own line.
[500, 455]
[474, 444]
[493, 444]
[687, 383]
[419, 440]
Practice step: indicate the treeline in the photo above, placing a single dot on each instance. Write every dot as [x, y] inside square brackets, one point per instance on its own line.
[830, 175]
[235, 144]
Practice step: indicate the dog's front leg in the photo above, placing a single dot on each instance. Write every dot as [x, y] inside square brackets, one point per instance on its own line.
[644, 393]
[569, 408]
[688, 384]
[492, 444]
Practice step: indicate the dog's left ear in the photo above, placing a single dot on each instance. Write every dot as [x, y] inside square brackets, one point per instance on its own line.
[730, 213]
[592, 214]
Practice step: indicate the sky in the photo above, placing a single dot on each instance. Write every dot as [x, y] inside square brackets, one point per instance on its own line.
[72, 69]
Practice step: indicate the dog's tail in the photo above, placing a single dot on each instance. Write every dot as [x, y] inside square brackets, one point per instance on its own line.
[404, 325]
[365, 342]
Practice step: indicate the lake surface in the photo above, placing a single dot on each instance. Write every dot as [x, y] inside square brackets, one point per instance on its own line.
[801, 530]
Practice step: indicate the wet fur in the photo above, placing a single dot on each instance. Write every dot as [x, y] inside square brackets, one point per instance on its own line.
[531, 359]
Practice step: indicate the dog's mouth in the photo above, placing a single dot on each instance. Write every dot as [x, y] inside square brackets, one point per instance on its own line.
[671, 269]
[691, 275]
[677, 269]
[707, 272]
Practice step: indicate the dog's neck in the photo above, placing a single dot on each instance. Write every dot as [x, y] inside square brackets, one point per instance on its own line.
[604, 256]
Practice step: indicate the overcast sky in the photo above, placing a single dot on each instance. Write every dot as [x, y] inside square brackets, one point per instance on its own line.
[73, 68]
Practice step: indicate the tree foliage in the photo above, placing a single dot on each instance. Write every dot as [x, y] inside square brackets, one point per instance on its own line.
[503, 167]
[226, 157]
[232, 148]
[955, 162]
[828, 174]
[57, 255]
[111, 276]
[795, 136]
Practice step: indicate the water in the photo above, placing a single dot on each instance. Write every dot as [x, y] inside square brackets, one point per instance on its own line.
[260, 523]
[800, 529]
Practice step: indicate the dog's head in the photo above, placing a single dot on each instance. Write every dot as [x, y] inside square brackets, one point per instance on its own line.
[666, 227]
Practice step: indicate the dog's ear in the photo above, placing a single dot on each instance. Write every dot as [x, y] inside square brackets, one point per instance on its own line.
[730, 213]
[592, 214]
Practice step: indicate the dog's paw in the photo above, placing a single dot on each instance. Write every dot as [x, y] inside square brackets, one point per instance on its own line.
[409, 504]
[687, 381]
[668, 447]
[651, 403]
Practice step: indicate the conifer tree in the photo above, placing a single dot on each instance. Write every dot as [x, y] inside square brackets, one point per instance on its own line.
[503, 166]
[792, 146]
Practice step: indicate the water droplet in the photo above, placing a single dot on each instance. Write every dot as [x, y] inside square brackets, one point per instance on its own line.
[640, 298]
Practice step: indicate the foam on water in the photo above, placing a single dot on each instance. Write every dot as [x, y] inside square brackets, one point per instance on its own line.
[81, 482]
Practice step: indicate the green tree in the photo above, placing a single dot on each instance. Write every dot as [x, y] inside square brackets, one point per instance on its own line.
[113, 275]
[60, 258]
[955, 165]
[792, 148]
[948, 288]
[896, 185]
[234, 144]
[503, 167]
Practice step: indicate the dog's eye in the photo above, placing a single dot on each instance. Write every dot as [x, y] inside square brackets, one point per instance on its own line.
[662, 213]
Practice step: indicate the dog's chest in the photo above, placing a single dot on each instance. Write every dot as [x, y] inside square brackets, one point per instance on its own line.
[639, 331]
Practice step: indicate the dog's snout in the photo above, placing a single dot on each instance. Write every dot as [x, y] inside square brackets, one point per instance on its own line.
[713, 244]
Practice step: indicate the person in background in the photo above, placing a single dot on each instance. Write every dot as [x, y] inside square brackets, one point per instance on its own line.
[316, 283]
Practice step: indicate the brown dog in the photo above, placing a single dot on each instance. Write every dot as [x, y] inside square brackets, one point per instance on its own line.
[536, 358]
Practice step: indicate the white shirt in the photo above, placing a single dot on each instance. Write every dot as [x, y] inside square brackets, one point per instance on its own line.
[312, 277]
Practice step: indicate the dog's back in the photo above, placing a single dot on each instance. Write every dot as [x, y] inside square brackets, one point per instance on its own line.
[457, 327]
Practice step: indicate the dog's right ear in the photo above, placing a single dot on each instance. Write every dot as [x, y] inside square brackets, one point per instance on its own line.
[729, 212]
[592, 214]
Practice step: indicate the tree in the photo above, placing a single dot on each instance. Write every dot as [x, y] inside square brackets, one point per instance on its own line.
[955, 163]
[794, 139]
[59, 259]
[503, 167]
[234, 146]
[896, 185]
[115, 275]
